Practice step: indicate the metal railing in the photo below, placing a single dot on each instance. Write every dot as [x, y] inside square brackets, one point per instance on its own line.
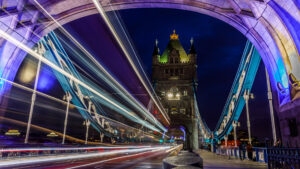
[259, 153]
[279, 157]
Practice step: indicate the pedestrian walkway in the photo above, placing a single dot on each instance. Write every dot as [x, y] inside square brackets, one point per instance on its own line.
[214, 161]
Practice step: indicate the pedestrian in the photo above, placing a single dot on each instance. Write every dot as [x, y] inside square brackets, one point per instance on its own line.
[250, 151]
[278, 143]
[242, 154]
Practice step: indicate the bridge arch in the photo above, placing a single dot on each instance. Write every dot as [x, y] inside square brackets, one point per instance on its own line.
[269, 24]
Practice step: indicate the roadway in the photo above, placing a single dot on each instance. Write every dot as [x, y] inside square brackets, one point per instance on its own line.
[136, 160]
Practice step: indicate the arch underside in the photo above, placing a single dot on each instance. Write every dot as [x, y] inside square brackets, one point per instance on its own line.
[257, 20]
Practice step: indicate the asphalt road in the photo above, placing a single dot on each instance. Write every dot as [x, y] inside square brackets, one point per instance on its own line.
[144, 160]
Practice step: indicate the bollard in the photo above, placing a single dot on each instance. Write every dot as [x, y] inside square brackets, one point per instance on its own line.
[184, 159]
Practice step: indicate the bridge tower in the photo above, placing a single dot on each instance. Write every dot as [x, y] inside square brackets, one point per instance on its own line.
[174, 74]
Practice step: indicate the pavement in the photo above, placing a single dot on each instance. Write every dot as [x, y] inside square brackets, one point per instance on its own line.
[214, 161]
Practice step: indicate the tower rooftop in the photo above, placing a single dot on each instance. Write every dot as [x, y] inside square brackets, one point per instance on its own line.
[174, 43]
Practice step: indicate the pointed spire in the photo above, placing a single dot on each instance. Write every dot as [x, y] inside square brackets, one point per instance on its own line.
[192, 49]
[156, 49]
[174, 36]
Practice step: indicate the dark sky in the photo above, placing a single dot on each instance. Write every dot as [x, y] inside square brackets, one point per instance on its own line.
[219, 47]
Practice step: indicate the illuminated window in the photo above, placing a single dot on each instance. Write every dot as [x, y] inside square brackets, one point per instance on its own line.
[163, 93]
[184, 93]
[182, 111]
[173, 112]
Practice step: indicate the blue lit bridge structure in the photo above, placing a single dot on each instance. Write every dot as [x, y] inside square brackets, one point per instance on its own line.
[115, 97]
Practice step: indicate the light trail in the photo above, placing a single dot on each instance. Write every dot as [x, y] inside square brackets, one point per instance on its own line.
[114, 33]
[62, 101]
[102, 68]
[66, 74]
[70, 148]
[111, 159]
[49, 131]
[78, 156]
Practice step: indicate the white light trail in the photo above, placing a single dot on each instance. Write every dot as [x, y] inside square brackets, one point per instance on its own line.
[103, 69]
[113, 31]
[55, 67]
[72, 157]
[111, 159]
[70, 148]
[62, 101]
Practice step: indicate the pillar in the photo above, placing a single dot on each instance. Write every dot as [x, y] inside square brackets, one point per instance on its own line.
[195, 142]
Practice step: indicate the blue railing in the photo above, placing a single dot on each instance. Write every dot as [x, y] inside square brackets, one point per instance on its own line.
[259, 153]
[279, 157]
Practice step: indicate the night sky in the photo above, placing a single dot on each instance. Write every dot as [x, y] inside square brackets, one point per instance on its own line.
[219, 47]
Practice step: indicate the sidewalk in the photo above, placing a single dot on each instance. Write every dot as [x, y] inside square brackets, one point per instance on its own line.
[213, 161]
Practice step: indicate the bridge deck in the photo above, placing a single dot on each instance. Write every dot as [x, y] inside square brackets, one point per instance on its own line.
[214, 161]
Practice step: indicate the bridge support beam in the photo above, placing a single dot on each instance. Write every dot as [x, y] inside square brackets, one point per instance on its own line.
[234, 130]
[246, 97]
[68, 97]
[195, 142]
[271, 108]
[32, 102]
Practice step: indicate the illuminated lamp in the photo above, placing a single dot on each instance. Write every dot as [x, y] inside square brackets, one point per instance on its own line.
[170, 95]
[12, 133]
[177, 95]
[52, 134]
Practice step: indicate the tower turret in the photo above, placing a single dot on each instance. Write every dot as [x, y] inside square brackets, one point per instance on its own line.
[155, 54]
[192, 52]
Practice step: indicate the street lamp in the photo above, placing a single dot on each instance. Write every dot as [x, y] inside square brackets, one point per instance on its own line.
[246, 96]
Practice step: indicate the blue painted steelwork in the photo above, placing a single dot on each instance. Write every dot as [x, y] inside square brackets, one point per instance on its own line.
[80, 95]
[235, 102]
[56, 54]
[243, 81]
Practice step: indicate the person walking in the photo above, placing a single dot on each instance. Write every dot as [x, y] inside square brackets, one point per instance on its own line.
[249, 151]
[242, 152]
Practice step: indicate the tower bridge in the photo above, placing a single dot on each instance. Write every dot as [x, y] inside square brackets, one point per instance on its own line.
[142, 118]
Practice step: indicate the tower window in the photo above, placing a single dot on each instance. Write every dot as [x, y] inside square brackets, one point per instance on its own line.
[171, 71]
[181, 71]
[167, 71]
[185, 93]
[176, 60]
[171, 60]
[176, 72]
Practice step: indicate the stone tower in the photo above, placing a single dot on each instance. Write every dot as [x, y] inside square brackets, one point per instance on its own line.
[174, 74]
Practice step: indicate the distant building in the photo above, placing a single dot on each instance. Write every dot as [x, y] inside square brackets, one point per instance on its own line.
[173, 74]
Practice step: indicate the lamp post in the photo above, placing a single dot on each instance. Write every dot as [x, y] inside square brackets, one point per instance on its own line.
[271, 108]
[247, 96]
[68, 97]
[33, 98]
[226, 139]
[235, 124]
